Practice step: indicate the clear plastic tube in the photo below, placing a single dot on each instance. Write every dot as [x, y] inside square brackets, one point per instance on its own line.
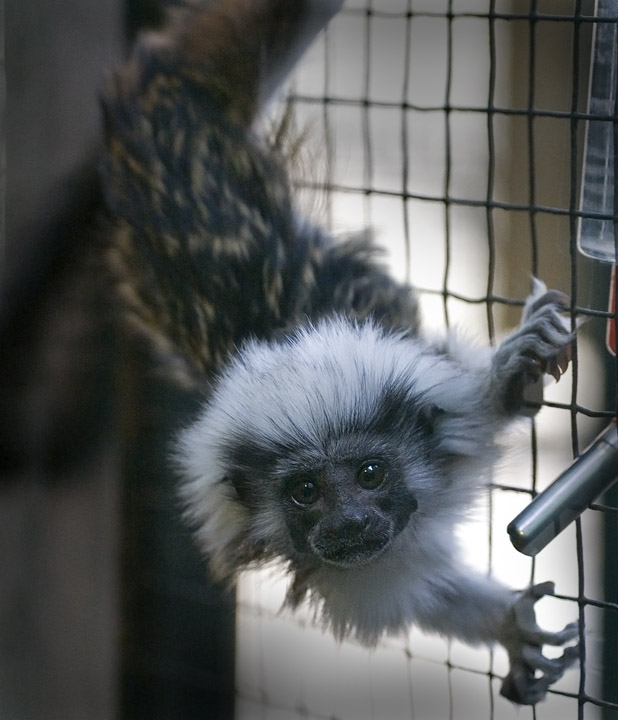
[596, 234]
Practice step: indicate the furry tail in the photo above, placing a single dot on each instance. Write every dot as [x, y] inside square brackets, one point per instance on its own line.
[202, 214]
[207, 246]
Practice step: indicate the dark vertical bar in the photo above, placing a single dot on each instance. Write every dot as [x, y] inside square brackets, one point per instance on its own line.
[368, 151]
[447, 237]
[177, 625]
[2, 142]
[610, 647]
[531, 140]
[491, 247]
[573, 252]
[532, 24]
[610, 616]
[532, 218]
[448, 161]
[327, 125]
[405, 144]
[491, 170]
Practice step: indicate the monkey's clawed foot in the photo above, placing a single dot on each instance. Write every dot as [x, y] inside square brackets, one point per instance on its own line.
[542, 344]
[532, 673]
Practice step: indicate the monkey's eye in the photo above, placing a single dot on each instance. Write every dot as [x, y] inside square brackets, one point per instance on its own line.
[371, 475]
[304, 492]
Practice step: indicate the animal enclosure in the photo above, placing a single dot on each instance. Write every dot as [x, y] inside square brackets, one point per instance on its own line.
[456, 131]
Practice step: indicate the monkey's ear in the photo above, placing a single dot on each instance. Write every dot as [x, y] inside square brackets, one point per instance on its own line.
[429, 416]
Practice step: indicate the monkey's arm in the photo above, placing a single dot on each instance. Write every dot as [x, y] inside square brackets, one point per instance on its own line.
[541, 345]
[474, 608]
[491, 386]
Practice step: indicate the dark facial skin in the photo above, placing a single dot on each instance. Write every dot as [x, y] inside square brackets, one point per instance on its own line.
[348, 512]
[345, 495]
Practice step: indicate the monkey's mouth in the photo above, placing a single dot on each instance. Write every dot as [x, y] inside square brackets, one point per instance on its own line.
[346, 551]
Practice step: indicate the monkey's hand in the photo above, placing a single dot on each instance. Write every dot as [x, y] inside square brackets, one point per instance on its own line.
[532, 673]
[542, 344]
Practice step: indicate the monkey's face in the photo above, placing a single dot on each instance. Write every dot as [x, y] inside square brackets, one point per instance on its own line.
[348, 512]
[339, 502]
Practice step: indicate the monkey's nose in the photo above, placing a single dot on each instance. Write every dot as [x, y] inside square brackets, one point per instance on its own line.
[349, 527]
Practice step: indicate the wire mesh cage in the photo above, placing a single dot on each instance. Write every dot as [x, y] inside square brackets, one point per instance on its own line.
[455, 131]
